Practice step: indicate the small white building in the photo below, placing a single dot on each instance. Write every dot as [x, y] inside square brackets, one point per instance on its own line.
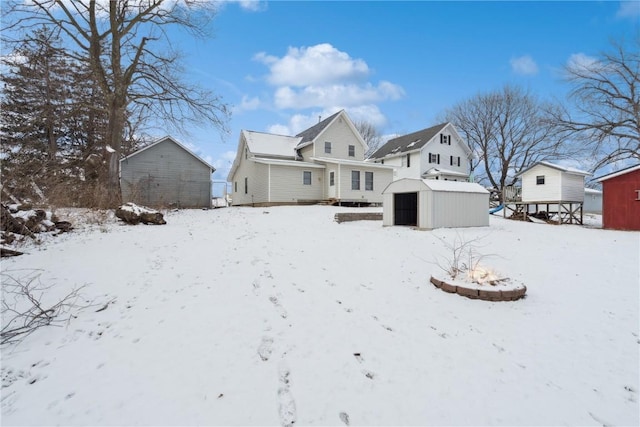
[547, 182]
[592, 201]
[429, 204]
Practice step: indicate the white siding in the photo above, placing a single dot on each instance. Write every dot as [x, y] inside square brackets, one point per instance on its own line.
[287, 184]
[340, 134]
[454, 209]
[381, 178]
[572, 187]
[558, 185]
[258, 178]
[549, 191]
[445, 151]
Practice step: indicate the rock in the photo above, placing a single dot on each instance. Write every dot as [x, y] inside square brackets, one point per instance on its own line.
[134, 214]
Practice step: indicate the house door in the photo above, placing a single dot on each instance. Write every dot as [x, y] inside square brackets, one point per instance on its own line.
[405, 209]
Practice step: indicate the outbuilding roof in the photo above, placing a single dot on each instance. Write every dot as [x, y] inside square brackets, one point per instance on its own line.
[435, 185]
[618, 173]
[168, 138]
[566, 169]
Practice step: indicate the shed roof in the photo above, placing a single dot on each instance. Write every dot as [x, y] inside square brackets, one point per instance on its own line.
[163, 139]
[618, 173]
[565, 169]
[411, 184]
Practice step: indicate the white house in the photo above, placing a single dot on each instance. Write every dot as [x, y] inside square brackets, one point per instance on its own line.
[548, 182]
[430, 203]
[324, 162]
[437, 152]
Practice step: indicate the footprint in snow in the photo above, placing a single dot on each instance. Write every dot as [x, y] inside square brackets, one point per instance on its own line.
[286, 404]
[265, 348]
[344, 417]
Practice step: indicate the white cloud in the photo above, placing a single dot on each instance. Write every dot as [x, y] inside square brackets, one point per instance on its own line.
[581, 62]
[330, 95]
[248, 104]
[524, 65]
[299, 122]
[223, 164]
[315, 65]
[629, 9]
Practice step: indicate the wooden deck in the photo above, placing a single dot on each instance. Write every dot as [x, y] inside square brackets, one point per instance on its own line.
[561, 211]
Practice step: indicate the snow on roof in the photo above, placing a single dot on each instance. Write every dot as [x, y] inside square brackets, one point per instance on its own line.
[284, 162]
[592, 191]
[454, 186]
[618, 173]
[352, 162]
[442, 171]
[566, 169]
[270, 144]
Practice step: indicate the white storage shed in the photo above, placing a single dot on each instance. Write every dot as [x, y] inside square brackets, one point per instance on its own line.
[547, 182]
[592, 201]
[429, 204]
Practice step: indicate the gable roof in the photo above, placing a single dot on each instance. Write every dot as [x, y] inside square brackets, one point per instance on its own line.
[618, 173]
[410, 142]
[569, 170]
[163, 139]
[310, 134]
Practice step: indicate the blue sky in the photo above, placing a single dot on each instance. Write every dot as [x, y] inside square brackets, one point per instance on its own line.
[399, 65]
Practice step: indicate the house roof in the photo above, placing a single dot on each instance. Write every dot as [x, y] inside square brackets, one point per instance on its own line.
[268, 144]
[308, 135]
[161, 140]
[352, 163]
[282, 162]
[570, 170]
[618, 173]
[409, 142]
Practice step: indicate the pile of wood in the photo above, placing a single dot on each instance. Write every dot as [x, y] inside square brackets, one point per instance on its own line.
[19, 221]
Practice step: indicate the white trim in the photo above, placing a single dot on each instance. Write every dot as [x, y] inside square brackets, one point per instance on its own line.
[618, 173]
[359, 163]
[278, 162]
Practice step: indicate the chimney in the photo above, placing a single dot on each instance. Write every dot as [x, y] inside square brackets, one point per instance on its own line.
[319, 119]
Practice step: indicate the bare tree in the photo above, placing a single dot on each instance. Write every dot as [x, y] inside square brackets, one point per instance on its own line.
[370, 134]
[507, 130]
[127, 48]
[606, 103]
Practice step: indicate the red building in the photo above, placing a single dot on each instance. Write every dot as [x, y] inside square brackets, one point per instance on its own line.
[621, 199]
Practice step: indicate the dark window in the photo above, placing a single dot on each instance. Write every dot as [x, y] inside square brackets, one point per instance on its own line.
[352, 151]
[306, 177]
[445, 139]
[382, 161]
[235, 188]
[246, 153]
[331, 178]
[327, 147]
[408, 160]
[355, 180]
[246, 185]
[451, 160]
[368, 181]
[458, 160]
[434, 158]
[540, 180]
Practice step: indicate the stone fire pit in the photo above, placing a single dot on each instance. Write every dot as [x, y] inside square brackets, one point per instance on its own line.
[504, 290]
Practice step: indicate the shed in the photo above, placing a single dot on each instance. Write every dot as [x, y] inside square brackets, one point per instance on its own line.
[547, 182]
[592, 201]
[429, 204]
[166, 173]
[621, 199]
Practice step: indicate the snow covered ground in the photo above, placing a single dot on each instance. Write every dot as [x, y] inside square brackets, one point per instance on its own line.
[269, 316]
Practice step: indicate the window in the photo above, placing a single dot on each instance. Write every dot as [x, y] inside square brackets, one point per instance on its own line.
[246, 153]
[368, 181]
[408, 160]
[355, 180]
[352, 151]
[434, 158]
[458, 160]
[445, 139]
[327, 147]
[306, 177]
[454, 161]
[382, 161]
[540, 180]
[332, 178]
[235, 187]
[246, 185]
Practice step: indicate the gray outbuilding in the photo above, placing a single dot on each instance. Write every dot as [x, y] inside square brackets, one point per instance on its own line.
[166, 173]
[429, 204]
